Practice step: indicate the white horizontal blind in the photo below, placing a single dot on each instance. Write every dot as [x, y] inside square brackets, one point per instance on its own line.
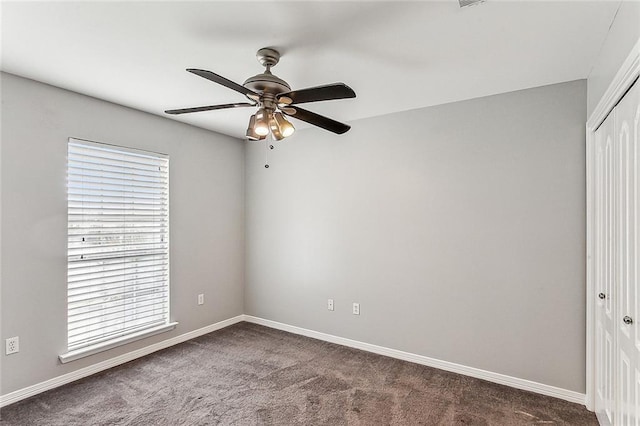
[118, 242]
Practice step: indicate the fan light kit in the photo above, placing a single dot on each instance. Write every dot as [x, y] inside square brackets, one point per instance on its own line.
[274, 99]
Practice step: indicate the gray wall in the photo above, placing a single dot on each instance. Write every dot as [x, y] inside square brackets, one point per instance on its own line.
[207, 219]
[623, 35]
[460, 229]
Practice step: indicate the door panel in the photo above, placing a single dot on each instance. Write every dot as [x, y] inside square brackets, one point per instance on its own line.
[627, 117]
[603, 251]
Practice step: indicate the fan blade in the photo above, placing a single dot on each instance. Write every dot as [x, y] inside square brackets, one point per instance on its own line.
[316, 119]
[223, 81]
[208, 108]
[318, 93]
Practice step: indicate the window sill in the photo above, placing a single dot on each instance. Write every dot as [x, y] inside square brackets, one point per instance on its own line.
[91, 350]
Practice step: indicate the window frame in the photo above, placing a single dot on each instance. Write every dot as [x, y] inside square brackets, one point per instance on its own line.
[127, 336]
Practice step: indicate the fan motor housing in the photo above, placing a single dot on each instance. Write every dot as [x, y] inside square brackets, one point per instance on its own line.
[267, 83]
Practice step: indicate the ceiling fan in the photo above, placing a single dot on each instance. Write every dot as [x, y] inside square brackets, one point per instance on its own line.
[274, 99]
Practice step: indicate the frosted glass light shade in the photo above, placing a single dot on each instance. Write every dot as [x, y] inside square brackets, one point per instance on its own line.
[286, 128]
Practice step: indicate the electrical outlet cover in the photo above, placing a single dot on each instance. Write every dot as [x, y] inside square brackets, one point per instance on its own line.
[12, 345]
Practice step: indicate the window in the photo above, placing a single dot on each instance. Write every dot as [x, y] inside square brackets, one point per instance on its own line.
[118, 246]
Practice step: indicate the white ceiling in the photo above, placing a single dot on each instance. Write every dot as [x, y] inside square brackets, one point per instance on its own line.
[395, 55]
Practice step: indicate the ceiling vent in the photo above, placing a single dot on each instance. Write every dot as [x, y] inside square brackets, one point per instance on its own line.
[466, 3]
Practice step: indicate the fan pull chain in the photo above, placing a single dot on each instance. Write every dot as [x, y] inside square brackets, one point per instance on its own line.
[267, 147]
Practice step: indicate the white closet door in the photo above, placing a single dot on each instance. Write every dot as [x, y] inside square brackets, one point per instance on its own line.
[627, 117]
[605, 406]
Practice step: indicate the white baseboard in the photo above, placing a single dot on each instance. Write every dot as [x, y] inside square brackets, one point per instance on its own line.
[20, 394]
[502, 379]
[515, 382]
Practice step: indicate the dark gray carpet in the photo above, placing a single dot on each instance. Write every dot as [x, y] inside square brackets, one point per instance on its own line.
[248, 374]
